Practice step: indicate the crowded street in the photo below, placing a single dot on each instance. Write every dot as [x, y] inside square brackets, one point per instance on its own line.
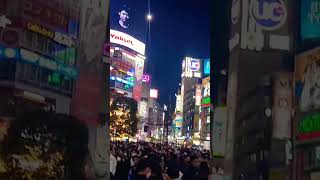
[142, 160]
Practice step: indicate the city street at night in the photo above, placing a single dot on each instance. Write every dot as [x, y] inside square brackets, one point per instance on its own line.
[159, 90]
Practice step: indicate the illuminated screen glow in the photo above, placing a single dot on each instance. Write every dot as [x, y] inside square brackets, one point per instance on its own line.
[206, 101]
[206, 67]
[154, 93]
[309, 20]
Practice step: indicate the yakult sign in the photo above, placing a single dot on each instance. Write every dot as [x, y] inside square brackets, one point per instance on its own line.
[126, 40]
[268, 14]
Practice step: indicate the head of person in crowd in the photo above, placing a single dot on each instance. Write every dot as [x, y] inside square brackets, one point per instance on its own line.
[143, 169]
[204, 171]
[48, 145]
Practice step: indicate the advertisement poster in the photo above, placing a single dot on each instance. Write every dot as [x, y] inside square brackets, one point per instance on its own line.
[129, 17]
[307, 80]
[310, 19]
[282, 112]
[219, 132]
[128, 24]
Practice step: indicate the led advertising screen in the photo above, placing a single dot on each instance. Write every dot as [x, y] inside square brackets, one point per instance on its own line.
[128, 23]
[309, 20]
[206, 67]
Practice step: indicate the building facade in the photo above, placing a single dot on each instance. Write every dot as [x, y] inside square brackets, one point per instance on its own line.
[38, 54]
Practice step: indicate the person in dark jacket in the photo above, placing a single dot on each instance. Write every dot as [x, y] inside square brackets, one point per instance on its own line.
[143, 170]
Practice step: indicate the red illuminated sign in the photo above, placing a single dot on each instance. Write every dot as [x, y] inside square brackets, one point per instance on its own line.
[121, 65]
[41, 13]
[118, 37]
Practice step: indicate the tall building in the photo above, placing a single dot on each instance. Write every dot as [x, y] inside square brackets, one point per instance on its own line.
[38, 46]
[127, 48]
[259, 47]
[190, 77]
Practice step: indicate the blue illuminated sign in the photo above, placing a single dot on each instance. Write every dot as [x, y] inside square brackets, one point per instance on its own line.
[38, 60]
[310, 19]
[9, 53]
[206, 67]
[128, 82]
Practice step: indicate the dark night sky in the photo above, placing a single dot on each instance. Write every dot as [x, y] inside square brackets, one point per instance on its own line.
[180, 28]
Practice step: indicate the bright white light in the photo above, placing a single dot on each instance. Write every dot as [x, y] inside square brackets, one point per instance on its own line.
[149, 17]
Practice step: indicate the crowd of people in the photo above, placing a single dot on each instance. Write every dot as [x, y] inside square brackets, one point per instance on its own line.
[144, 160]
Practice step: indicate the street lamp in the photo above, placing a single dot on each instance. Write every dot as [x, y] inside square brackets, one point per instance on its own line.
[149, 17]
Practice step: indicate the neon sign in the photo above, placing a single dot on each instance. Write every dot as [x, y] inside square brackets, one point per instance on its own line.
[269, 14]
[206, 101]
[146, 78]
[128, 82]
[40, 30]
[309, 127]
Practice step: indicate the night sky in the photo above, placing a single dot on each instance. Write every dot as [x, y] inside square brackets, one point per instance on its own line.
[180, 28]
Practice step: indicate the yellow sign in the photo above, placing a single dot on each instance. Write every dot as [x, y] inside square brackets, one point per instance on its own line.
[40, 30]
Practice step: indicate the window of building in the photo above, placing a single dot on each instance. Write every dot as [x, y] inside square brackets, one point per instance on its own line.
[27, 38]
[59, 53]
[253, 157]
[41, 43]
[243, 141]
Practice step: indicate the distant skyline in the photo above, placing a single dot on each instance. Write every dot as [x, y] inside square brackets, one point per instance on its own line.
[180, 28]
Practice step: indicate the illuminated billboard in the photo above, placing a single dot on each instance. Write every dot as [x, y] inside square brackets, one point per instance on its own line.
[206, 67]
[154, 93]
[198, 95]
[178, 103]
[306, 80]
[206, 92]
[206, 87]
[309, 127]
[178, 122]
[309, 20]
[128, 23]
[191, 68]
[126, 40]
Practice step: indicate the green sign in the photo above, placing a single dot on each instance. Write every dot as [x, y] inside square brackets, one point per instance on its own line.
[310, 124]
[54, 79]
[206, 101]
